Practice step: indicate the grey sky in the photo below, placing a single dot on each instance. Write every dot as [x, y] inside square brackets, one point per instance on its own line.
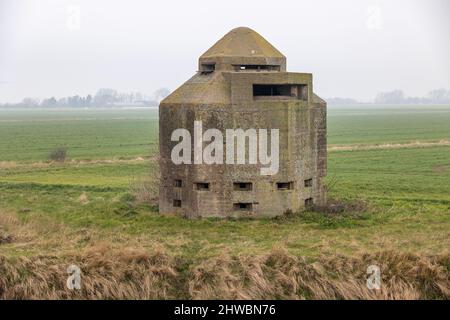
[354, 48]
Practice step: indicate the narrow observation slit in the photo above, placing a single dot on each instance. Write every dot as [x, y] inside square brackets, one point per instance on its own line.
[243, 186]
[202, 186]
[285, 185]
[244, 206]
[177, 203]
[295, 91]
[256, 67]
[308, 183]
[178, 183]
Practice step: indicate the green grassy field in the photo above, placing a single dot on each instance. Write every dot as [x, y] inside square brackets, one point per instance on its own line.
[56, 209]
[88, 134]
[387, 124]
[93, 134]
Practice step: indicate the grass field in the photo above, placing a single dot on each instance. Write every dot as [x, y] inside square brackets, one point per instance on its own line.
[396, 161]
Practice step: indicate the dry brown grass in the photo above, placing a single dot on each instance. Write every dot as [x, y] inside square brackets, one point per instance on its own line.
[5, 237]
[108, 273]
[83, 198]
[74, 162]
[279, 275]
[8, 164]
[414, 144]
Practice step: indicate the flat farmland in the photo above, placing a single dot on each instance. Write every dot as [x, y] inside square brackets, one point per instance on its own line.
[390, 162]
[87, 134]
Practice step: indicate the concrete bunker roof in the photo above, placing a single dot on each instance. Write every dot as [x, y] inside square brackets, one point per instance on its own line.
[242, 42]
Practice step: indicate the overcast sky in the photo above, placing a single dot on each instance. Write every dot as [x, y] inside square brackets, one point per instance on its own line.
[354, 48]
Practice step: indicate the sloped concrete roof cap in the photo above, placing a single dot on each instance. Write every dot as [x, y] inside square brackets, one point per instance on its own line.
[242, 42]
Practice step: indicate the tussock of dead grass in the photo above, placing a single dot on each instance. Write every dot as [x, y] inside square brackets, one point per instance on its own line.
[5, 237]
[83, 198]
[413, 144]
[8, 164]
[109, 273]
[279, 275]
[106, 274]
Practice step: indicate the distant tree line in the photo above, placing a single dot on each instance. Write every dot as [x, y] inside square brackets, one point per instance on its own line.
[439, 96]
[104, 97]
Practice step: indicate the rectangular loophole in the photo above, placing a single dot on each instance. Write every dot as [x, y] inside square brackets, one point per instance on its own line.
[256, 67]
[293, 91]
[202, 186]
[178, 183]
[177, 203]
[309, 202]
[308, 183]
[207, 68]
[243, 206]
[243, 186]
[285, 185]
